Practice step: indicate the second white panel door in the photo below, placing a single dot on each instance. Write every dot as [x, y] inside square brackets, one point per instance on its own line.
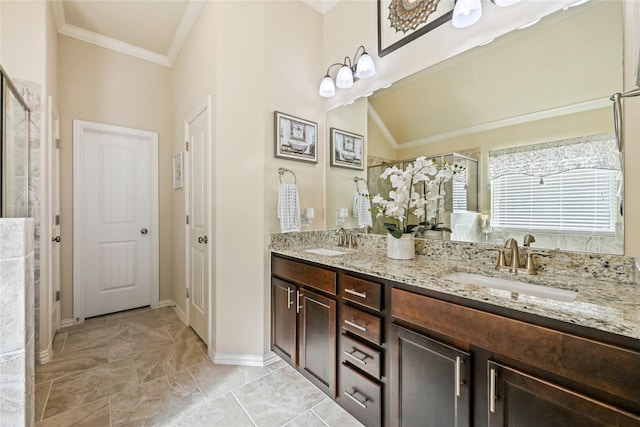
[198, 229]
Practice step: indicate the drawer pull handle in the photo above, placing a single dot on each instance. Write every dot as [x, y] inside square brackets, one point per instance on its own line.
[298, 305]
[353, 355]
[492, 390]
[356, 293]
[289, 292]
[355, 399]
[457, 379]
[353, 324]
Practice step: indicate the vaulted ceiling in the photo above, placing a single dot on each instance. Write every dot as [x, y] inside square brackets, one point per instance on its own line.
[153, 30]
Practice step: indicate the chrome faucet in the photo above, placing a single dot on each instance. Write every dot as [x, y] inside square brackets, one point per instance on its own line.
[512, 244]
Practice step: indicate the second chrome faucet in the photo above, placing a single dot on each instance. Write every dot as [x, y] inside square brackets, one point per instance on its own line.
[513, 264]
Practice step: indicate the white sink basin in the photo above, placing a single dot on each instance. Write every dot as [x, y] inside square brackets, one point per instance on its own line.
[563, 295]
[324, 251]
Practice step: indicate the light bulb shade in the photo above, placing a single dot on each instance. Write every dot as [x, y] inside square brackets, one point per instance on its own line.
[365, 67]
[505, 3]
[327, 87]
[344, 79]
[466, 13]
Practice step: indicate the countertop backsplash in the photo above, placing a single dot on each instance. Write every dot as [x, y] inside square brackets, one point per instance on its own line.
[575, 264]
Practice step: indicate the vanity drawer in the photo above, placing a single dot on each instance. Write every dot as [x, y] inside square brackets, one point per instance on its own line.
[304, 274]
[361, 291]
[363, 324]
[361, 397]
[361, 356]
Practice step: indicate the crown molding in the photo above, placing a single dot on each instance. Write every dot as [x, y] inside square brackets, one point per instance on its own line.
[526, 118]
[184, 28]
[383, 128]
[113, 44]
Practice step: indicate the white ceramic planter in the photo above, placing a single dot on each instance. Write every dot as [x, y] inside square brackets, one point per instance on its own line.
[402, 248]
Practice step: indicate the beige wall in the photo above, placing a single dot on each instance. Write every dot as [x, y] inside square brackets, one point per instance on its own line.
[249, 74]
[100, 85]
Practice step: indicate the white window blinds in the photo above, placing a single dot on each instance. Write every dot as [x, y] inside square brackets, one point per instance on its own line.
[564, 186]
[581, 200]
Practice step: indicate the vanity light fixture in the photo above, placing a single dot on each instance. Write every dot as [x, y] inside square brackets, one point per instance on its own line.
[361, 67]
[468, 12]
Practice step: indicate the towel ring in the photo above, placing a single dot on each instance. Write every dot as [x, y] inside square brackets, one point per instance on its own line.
[357, 179]
[282, 171]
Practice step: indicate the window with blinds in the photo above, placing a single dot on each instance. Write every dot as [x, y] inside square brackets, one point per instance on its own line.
[459, 195]
[579, 200]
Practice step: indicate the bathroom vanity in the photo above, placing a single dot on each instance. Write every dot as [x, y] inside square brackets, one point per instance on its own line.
[396, 344]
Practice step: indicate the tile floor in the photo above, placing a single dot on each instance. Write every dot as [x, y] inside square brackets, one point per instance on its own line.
[144, 367]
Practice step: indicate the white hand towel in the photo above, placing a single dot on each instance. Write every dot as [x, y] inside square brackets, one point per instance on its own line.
[362, 209]
[289, 208]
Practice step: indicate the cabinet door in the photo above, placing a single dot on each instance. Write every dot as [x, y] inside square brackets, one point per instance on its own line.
[432, 386]
[283, 320]
[519, 399]
[317, 345]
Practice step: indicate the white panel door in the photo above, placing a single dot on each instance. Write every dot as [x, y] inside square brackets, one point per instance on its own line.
[198, 228]
[116, 225]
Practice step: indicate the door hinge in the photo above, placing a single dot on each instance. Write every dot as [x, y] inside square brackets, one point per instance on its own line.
[187, 219]
[187, 292]
[186, 145]
[58, 143]
[57, 295]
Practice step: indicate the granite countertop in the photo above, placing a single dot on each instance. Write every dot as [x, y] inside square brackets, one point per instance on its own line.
[605, 305]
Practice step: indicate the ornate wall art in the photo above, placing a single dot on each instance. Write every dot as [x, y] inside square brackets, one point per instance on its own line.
[401, 21]
[347, 149]
[295, 138]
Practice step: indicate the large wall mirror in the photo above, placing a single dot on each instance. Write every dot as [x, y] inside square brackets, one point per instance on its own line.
[533, 106]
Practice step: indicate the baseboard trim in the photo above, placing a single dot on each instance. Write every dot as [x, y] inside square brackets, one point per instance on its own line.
[166, 303]
[66, 323]
[244, 359]
[45, 355]
[178, 310]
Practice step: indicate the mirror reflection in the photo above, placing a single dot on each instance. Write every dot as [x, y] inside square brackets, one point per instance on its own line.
[532, 110]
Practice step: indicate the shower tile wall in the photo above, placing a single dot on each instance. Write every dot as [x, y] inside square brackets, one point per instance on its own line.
[30, 92]
[16, 322]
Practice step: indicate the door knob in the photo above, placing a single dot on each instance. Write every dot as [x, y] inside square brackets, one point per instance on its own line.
[56, 239]
[144, 231]
[203, 240]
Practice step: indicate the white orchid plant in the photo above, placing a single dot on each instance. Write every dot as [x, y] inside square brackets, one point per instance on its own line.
[405, 200]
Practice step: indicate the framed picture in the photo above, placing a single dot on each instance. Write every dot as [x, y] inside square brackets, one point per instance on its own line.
[401, 21]
[177, 171]
[347, 149]
[295, 138]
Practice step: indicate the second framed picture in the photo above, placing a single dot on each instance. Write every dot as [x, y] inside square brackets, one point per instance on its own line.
[347, 149]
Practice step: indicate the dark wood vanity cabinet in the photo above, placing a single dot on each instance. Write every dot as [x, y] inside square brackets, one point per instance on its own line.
[520, 399]
[303, 321]
[396, 355]
[362, 352]
[515, 373]
[432, 381]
